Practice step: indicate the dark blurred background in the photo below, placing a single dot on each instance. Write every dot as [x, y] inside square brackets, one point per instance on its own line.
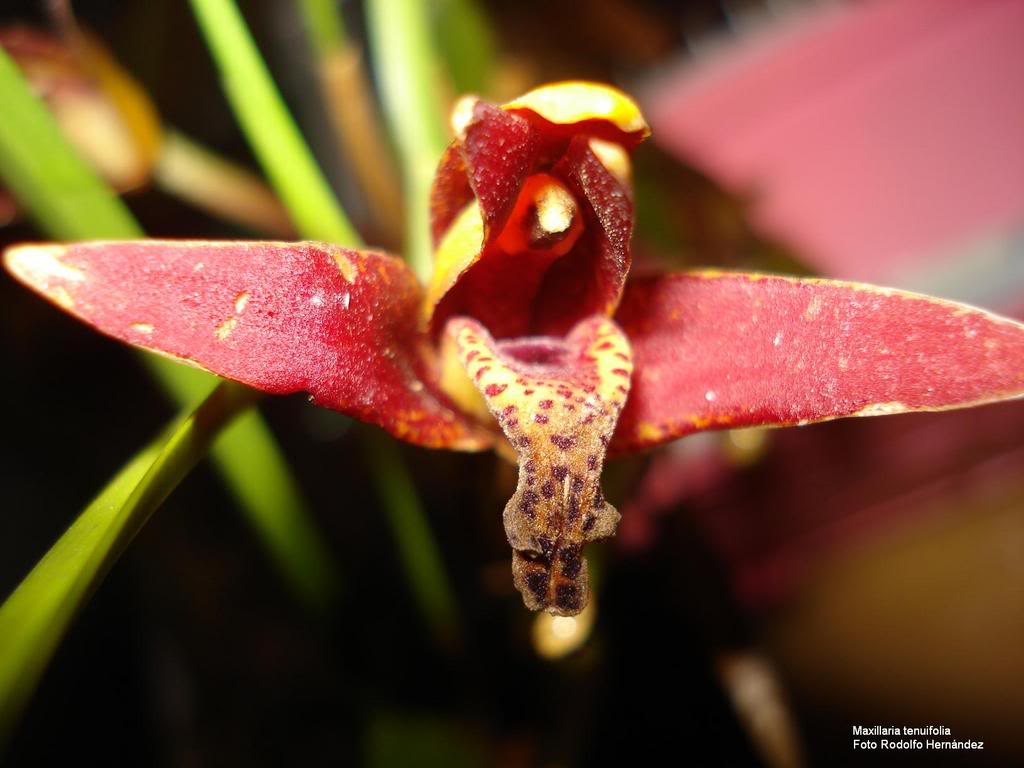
[768, 590]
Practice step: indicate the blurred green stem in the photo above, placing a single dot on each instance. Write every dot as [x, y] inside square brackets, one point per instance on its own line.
[355, 118]
[468, 44]
[64, 196]
[266, 490]
[269, 127]
[408, 70]
[418, 551]
[35, 617]
[324, 25]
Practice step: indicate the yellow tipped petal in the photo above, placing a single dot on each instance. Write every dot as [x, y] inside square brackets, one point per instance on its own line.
[576, 101]
[457, 252]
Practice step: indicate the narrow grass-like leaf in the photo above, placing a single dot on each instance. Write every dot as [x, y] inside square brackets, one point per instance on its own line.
[354, 115]
[63, 195]
[408, 69]
[324, 25]
[269, 127]
[418, 552]
[70, 202]
[262, 483]
[35, 617]
[468, 44]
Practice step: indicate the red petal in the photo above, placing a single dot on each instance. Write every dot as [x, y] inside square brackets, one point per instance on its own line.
[590, 279]
[510, 293]
[492, 159]
[280, 317]
[716, 350]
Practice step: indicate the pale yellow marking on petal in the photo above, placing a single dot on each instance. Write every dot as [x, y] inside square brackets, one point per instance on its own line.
[648, 432]
[240, 301]
[37, 264]
[224, 329]
[882, 409]
[813, 308]
[345, 266]
[61, 296]
[144, 328]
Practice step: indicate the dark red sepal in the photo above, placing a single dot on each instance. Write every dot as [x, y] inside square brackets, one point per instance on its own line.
[715, 350]
[280, 317]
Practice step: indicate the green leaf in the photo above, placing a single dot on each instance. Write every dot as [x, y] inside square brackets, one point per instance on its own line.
[69, 201]
[468, 44]
[418, 552]
[269, 127]
[409, 70]
[36, 616]
[64, 196]
[262, 483]
[324, 25]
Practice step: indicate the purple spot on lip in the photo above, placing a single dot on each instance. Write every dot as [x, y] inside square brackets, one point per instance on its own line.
[540, 418]
[562, 442]
[574, 507]
[547, 490]
[592, 462]
[571, 562]
[537, 582]
[559, 472]
[529, 501]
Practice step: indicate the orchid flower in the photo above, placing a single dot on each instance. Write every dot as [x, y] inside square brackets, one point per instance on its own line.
[528, 339]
